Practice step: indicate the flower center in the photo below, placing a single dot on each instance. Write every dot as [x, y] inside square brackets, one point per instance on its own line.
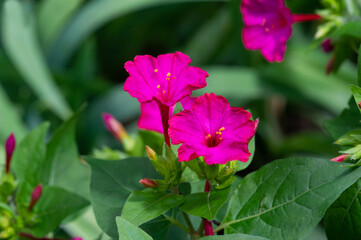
[215, 139]
[164, 86]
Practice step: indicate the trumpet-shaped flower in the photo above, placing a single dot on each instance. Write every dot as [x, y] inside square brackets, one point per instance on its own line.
[214, 130]
[268, 26]
[167, 78]
[150, 118]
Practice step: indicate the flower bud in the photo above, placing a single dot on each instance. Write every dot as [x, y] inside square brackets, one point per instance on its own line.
[359, 104]
[339, 158]
[151, 153]
[9, 148]
[327, 45]
[35, 195]
[114, 127]
[148, 183]
[76, 238]
[329, 66]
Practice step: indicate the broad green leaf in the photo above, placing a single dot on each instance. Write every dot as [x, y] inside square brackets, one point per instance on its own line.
[286, 198]
[10, 119]
[359, 67]
[62, 166]
[54, 205]
[157, 228]
[52, 16]
[29, 154]
[356, 91]
[238, 236]
[94, 15]
[348, 121]
[142, 206]
[18, 28]
[343, 219]
[111, 184]
[348, 29]
[205, 204]
[127, 231]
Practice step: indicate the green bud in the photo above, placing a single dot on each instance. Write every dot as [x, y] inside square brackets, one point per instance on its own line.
[159, 163]
[212, 171]
[7, 233]
[4, 222]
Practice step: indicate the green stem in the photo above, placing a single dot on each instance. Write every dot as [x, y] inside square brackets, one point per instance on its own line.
[177, 223]
[201, 229]
[188, 221]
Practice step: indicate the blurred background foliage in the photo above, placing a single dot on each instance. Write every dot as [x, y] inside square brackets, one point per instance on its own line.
[56, 55]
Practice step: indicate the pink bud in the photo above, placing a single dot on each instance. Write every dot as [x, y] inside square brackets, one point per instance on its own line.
[148, 183]
[9, 148]
[35, 195]
[329, 65]
[114, 127]
[76, 238]
[339, 158]
[327, 45]
[359, 104]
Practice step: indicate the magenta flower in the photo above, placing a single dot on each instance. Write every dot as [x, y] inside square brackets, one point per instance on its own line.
[9, 148]
[214, 130]
[167, 78]
[150, 118]
[268, 26]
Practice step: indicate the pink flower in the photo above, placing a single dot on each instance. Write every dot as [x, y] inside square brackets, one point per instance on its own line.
[167, 78]
[150, 118]
[268, 26]
[9, 148]
[114, 127]
[214, 130]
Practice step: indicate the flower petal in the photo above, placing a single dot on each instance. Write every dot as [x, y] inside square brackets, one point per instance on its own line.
[150, 118]
[227, 151]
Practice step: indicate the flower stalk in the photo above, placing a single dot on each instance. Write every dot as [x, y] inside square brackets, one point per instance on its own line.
[208, 230]
[305, 17]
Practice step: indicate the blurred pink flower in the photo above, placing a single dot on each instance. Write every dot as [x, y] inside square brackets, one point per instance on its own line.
[268, 26]
[150, 118]
[340, 158]
[214, 130]
[114, 127]
[9, 148]
[167, 78]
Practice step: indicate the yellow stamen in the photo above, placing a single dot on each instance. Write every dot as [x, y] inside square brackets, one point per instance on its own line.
[163, 91]
[221, 129]
[209, 136]
[155, 70]
[168, 74]
[168, 79]
[158, 86]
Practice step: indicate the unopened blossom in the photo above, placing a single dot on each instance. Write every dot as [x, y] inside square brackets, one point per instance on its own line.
[340, 158]
[327, 45]
[35, 195]
[9, 148]
[166, 79]
[268, 26]
[212, 129]
[114, 127]
[148, 183]
[150, 118]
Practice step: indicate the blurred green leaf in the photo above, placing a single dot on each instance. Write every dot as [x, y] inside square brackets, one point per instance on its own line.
[286, 198]
[93, 16]
[343, 219]
[52, 17]
[10, 119]
[127, 231]
[142, 206]
[111, 184]
[18, 37]
[356, 91]
[205, 204]
[350, 29]
[238, 236]
[62, 166]
[54, 205]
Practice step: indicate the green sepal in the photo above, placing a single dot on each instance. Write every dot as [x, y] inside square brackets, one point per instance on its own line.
[7, 186]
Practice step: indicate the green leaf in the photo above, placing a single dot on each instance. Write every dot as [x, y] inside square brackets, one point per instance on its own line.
[54, 205]
[359, 67]
[356, 91]
[91, 17]
[17, 28]
[286, 198]
[29, 154]
[348, 121]
[128, 231]
[142, 206]
[343, 219]
[62, 166]
[10, 119]
[238, 236]
[205, 204]
[111, 184]
[348, 29]
[52, 16]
